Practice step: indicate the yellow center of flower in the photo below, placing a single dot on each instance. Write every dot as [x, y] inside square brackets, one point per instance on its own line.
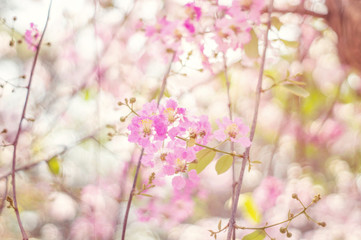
[180, 165]
[232, 130]
[170, 114]
[147, 126]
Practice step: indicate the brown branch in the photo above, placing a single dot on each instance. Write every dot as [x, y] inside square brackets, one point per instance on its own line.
[31, 165]
[165, 77]
[131, 195]
[231, 229]
[15, 143]
[228, 84]
[299, 10]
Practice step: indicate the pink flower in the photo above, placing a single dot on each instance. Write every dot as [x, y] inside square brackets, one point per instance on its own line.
[143, 128]
[193, 176]
[233, 131]
[178, 182]
[31, 36]
[193, 12]
[268, 191]
[189, 26]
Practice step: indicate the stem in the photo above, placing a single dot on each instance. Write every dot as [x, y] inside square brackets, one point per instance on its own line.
[165, 77]
[13, 168]
[31, 165]
[214, 149]
[228, 84]
[231, 228]
[131, 194]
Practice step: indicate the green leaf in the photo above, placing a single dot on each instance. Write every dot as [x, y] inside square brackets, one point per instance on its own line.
[256, 235]
[251, 48]
[54, 165]
[276, 22]
[292, 44]
[224, 163]
[204, 157]
[146, 195]
[296, 90]
[250, 209]
[272, 74]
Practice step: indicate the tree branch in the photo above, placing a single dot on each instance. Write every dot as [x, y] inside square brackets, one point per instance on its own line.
[15, 143]
[231, 229]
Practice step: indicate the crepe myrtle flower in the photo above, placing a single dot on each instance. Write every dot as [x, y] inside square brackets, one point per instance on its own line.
[143, 129]
[233, 131]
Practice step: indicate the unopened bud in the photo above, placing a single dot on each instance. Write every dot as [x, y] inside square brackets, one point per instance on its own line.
[322, 224]
[120, 103]
[122, 119]
[132, 100]
[283, 230]
[294, 196]
[289, 234]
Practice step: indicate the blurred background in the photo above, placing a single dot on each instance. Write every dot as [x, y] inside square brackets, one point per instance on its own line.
[76, 165]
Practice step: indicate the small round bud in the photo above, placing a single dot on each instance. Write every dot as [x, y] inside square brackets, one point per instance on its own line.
[15, 18]
[11, 43]
[289, 234]
[283, 230]
[294, 196]
[120, 103]
[132, 100]
[322, 224]
[122, 119]
[20, 41]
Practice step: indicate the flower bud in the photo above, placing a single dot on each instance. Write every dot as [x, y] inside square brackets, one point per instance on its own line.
[132, 100]
[322, 224]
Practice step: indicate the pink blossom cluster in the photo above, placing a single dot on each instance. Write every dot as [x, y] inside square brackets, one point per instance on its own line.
[227, 26]
[170, 139]
[31, 36]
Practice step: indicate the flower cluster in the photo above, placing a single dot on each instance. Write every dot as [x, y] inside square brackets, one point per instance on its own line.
[171, 138]
[226, 27]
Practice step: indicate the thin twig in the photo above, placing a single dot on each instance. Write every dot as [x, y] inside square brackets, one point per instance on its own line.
[299, 10]
[131, 195]
[31, 165]
[165, 77]
[13, 169]
[231, 229]
[228, 84]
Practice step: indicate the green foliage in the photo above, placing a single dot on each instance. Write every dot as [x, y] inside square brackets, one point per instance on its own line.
[204, 157]
[256, 235]
[296, 90]
[223, 164]
[54, 165]
[275, 21]
[251, 48]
